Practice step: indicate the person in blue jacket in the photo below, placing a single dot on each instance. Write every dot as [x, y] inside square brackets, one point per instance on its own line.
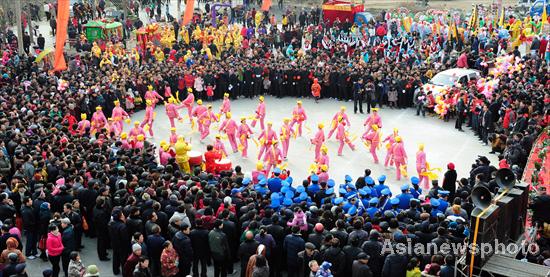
[373, 207]
[405, 197]
[274, 183]
[381, 186]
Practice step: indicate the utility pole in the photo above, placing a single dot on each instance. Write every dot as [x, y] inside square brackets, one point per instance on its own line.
[19, 26]
[29, 19]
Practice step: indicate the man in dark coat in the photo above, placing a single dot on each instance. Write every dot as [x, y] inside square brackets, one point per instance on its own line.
[395, 263]
[247, 248]
[201, 250]
[306, 256]
[360, 266]
[373, 248]
[449, 181]
[30, 227]
[155, 244]
[292, 245]
[182, 245]
[219, 248]
[120, 240]
[336, 257]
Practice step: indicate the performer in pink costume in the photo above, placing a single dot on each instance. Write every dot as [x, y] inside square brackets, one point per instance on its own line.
[373, 137]
[258, 171]
[323, 158]
[336, 118]
[260, 114]
[139, 142]
[226, 104]
[244, 133]
[149, 117]
[172, 111]
[399, 156]
[343, 137]
[318, 140]
[198, 111]
[173, 136]
[273, 156]
[152, 95]
[134, 132]
[98, 120]
[298, 116]
[219, 146]
[421, 166]
[374, 118]
[206, 120]
[118, 115]
[124, 139]
[83, 124]
[390, 140]
[285, 134]
[229, 126]
[188, 103]
[266, 138]
[164, 153]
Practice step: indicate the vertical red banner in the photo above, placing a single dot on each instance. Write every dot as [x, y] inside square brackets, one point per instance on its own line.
[188, 15]
[266, 4]
[61, 34]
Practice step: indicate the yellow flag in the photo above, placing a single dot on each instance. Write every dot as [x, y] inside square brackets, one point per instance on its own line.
[501, 20]
[544, 16]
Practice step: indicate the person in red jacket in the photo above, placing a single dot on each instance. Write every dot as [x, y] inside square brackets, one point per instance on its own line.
[54, 246]
[210, 158]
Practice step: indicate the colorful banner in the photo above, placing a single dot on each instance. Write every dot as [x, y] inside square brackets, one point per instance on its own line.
[61, 35]
[266, 4]
[337, 7]
[188, 15]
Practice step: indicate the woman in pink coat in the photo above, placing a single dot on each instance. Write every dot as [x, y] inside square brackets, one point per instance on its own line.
[298, 116]
[373, 137]
[152, 95]
[390, 140]
[226, 104]
[54, 247]
[198, 111]
[399, 156]
[285, 134]
[260, 114]
[299, 219]
[83, 124]
[374, 118]
[266, 138]
[219, 146]
[206, 119]
[244, 133]
[273, 156]
[188, 103]
[149, 117]
[229, 126]
[118, 115]
[342, 137]
[421, 166]
[98, 120]
[336, 118]
[318, 140]
[172, 111]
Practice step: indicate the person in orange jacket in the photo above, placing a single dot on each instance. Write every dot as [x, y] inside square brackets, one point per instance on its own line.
[316, 90]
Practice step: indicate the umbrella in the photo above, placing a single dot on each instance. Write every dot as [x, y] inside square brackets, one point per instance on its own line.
[43, 54]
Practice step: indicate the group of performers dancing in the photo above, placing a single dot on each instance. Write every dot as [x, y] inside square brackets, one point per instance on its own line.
[273, 146]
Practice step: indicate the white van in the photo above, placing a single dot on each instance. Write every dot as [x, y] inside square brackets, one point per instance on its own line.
[449, 78]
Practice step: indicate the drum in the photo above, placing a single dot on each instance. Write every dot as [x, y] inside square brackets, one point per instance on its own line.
[195, 158]
[223, 165]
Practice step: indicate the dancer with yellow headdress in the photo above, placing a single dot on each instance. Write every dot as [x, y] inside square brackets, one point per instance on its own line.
[152, 95]
[244, 133]
[182, 159]
[229, 127]
[318, 140]
[118, 115]
[298, 116]
[372, 139]
[98, 120]
[390, 140]
[399, 156]
[341, 114]
[147, 123]
[285, 134]
[421, 166]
